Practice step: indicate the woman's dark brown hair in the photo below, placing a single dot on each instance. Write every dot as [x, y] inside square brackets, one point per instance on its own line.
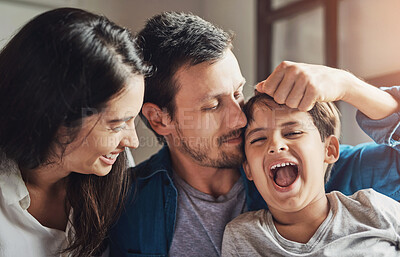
[61, 67]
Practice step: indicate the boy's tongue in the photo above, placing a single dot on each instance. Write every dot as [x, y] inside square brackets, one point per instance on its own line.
[285, 176]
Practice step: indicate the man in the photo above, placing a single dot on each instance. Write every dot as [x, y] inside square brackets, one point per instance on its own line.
[184, 195]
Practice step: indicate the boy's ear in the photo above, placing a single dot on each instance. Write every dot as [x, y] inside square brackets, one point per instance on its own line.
[158, 119]
[247, 170]
[331, 149]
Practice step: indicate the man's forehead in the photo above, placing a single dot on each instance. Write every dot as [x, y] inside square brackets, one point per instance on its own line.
[203, 91]
[220, 91]
[207, 80]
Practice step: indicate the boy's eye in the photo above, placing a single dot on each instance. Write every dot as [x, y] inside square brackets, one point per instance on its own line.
[258, 139]
[293, 134]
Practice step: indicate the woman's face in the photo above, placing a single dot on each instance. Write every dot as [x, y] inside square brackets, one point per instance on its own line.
[104, 135]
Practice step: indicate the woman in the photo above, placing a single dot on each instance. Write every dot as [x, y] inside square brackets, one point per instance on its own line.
[71, 83]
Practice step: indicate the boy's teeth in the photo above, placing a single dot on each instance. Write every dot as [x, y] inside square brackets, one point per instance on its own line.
[281, 165]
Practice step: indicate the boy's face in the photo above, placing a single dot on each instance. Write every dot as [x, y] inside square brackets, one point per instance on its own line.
[286, 157]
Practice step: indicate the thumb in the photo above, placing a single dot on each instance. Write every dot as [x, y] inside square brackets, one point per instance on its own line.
[260, 86]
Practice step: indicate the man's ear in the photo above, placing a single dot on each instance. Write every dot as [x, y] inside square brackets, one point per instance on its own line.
[158, 119]
[247, 170]
[331, 149]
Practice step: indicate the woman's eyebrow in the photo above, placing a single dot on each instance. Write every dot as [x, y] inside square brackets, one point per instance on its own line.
[119, 120]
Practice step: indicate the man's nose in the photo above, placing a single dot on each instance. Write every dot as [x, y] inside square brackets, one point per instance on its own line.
[236, 118]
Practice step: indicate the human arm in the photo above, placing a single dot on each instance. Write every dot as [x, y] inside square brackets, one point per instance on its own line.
[384, 131]
[367, 165]
[300, 85]
[371, 165]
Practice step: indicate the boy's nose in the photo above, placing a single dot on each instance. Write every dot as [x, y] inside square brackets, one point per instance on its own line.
[277, 148]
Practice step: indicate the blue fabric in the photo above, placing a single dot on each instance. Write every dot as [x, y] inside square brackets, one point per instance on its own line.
[147, 223]
[385, 131]
[366, 166]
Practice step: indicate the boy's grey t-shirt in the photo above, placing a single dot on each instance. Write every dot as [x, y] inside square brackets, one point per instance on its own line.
[364, 224]
[201, 219]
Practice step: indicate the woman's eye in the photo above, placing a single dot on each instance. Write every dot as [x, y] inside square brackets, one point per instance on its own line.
[259, 139]
[237, 95]
[119, 128]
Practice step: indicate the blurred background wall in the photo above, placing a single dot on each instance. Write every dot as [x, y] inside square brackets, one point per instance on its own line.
[368, 37]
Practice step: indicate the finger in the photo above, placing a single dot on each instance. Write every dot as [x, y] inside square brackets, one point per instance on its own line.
[272, 82]
[285, 87]
[308, 101]
[259, 86]
[296, 95]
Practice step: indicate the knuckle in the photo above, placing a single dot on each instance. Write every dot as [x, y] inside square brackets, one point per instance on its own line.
[292, 103]
[308, 105]
[293, 70]
[268, 90]
[302, 108]
[279, 99]
[303, 77]
[283, 64]
[312, 89]
[276, 96]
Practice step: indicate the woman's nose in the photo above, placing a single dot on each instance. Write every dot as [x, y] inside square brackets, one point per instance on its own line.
[131, 140]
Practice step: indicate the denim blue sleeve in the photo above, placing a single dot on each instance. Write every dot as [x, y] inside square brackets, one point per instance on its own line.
[366, 165]
[384, 131]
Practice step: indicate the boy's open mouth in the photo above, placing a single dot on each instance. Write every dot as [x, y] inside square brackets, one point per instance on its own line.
[284, 174]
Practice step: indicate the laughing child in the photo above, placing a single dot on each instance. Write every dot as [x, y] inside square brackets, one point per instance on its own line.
[289, 155]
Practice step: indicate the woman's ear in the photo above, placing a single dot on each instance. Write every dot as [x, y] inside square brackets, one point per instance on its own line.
[247, 170]
[331, 149]
[158, 119]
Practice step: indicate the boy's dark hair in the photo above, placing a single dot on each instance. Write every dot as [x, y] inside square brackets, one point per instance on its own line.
[171, 40]
[325, 116]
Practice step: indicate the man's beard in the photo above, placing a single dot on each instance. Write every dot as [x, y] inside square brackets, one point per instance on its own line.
[200, 150]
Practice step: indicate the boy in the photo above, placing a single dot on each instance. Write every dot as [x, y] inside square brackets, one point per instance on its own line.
[289, 155]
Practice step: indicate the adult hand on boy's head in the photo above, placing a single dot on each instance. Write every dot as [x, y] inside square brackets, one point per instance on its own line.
[300, 85]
